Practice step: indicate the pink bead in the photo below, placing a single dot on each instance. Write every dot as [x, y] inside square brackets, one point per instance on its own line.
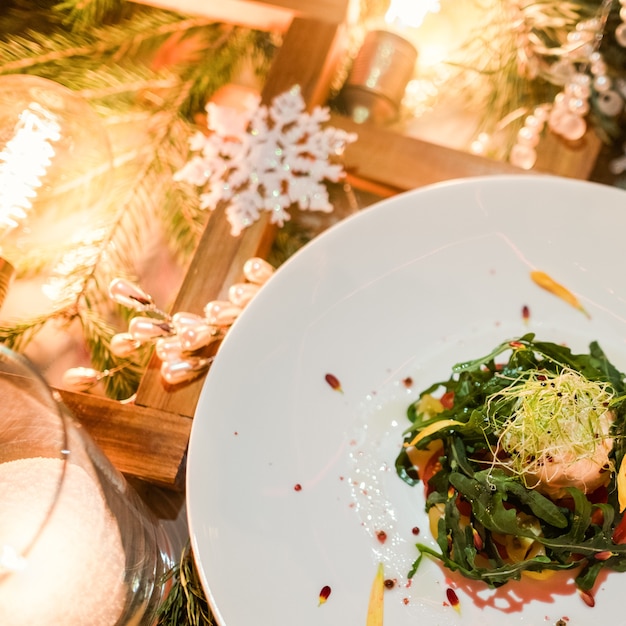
[571, 126]
[221, 312]
[176, 372]
[196, 337]
[80, 378]
[533, 123]
[523, 156]
[576, 90]
[240, 294]
[579, 106]
[182, 320]
[124, 344]
[527, 137]
[257, 270]
[128, 294]
[149, 328]
[602, 83]
[169, 348]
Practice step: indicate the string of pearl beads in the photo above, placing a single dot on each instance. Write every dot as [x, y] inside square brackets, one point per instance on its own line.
[180, 340]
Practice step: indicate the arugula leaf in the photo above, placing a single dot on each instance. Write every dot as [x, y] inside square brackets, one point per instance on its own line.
[487, 505]
[405, 469]
[542, 507]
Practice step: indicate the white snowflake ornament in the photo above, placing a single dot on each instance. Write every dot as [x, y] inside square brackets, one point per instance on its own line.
[265, 159]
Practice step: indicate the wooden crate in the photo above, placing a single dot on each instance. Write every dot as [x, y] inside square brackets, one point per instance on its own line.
[148, 439]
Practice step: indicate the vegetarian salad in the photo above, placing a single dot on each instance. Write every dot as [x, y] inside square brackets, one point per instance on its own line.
[520, 454]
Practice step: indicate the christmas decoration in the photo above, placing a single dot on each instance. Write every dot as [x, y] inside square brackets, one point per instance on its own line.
[583, 73]
[54, 159]
[145, 73]
[505, 61]
[265, 158]
[186, 603]
[180, 340]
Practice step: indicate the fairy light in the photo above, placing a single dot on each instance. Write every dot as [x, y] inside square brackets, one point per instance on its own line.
[24, 162]
[55, 174]
[409, 13]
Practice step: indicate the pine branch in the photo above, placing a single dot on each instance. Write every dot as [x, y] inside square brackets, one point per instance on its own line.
[19, 334]
[185, 603]
[37, 51]
[98, 334]
[83, 14]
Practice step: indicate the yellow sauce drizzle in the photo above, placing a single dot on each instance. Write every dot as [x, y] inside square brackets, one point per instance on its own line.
[375, 608]
[549, 284]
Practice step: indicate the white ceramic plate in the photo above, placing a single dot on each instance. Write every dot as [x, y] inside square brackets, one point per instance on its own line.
[405, 288]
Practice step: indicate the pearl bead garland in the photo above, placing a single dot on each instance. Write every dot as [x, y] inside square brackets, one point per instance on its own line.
[524, 153]
[179, 339]
[583, 73]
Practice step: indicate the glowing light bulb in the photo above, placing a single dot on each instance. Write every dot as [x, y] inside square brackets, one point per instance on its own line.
[409, 13]
[55, 171]
[24, 161]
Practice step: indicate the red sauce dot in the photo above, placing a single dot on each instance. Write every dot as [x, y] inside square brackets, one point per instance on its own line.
[381, 535]
[297, 487]
[408, 382]
[415, 530]
[390, 583]
[405, 600]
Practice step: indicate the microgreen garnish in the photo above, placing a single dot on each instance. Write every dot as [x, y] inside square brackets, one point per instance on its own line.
[552, 417]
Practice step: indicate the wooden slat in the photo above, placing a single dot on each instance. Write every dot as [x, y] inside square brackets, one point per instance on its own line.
[390, 162]
[140, 441]
[387, 162]
[309, 56]
[569, 159]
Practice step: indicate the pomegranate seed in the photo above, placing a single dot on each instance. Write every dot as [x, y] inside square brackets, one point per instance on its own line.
[588, 599]
[453, 599]
[324, 593]
[333, 381]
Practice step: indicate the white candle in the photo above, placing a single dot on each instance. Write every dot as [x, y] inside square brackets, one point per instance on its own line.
[74, 574]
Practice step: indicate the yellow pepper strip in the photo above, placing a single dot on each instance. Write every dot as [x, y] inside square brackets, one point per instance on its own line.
[549, 284]
[375, 609]
[433, 428]
[621, 486]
